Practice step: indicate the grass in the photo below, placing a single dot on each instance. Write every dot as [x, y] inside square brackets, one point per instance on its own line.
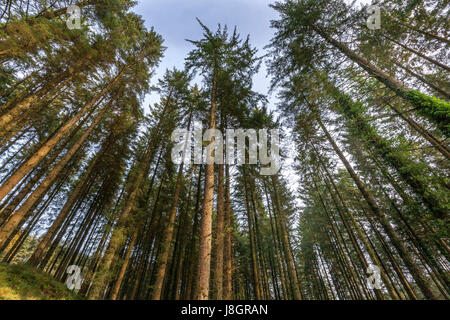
[23, 282]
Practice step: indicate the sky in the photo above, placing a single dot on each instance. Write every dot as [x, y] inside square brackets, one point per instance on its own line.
[175, 21]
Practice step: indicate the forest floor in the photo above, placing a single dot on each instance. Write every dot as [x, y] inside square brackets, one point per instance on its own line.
[22, 282]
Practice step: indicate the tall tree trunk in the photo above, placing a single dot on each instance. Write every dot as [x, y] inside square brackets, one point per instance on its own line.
[423, 80]
[191, 282]
[123, 268]
[24, 210]
[204, 265]
[49, 236]
[228, 290]
[426, 33]
[396, 241]
[54, 140]
[255, 271]
[437, 112]
[116, 241]
[354, 116]
[417, 53]
[16, 106]
[218, 269]
[285, 240]
[168, 235]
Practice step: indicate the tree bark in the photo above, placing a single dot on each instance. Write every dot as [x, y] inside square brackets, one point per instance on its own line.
[54, 140]
[24, 210]
[204, 265]
[413, 268]
[285, 240]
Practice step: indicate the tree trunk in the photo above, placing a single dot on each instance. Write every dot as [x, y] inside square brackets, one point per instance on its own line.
[426, 107]
[435, 62]
[228, 290]
[218, 269]
[123, 268]
[204, 265]
[54, 140]
[285, 240]
[164, 254]
[46, 240]
[412, 266]
[24, 210]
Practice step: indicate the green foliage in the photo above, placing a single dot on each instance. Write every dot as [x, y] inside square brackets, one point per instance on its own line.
[22, 282]
[436, 110]
[412, 172]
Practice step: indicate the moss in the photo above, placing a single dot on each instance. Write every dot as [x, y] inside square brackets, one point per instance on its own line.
[412, 172]
[23, 282]
[436, 110]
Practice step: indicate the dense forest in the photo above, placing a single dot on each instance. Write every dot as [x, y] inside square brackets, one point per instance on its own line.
[87, 176]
